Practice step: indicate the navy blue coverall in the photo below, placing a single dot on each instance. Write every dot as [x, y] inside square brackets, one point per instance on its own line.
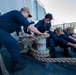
[42, 28]
[28, 31]
[62, 41]
[25, 29]
[68, 39]
[59, 41]
[9, 23]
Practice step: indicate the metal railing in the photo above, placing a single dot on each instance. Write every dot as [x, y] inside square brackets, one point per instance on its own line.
[65, 25]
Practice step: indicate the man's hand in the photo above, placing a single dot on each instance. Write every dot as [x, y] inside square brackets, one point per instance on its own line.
[34, 29]
[46, 35]
[46, 31]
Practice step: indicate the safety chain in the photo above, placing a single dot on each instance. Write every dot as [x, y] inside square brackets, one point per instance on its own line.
[2, 66]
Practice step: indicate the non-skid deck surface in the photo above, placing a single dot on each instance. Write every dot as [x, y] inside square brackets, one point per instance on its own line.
[35, 67]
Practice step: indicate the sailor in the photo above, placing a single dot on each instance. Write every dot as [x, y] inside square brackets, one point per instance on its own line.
[70, 33]
[60, 39]
[9, 22]
[44, 25]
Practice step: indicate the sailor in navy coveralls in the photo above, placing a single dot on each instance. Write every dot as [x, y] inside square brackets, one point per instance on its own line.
[10, 22]
[44, 26]
[62, 40]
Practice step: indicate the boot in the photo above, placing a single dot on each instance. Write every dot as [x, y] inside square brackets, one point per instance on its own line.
[17, 66]
[66, 53]
[52, 52]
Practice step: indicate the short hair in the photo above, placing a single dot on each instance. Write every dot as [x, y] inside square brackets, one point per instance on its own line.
[70, 29]
[58, 29]
[50, 16]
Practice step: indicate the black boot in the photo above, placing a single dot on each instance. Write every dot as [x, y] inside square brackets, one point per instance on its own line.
[17, 66]
[52, 52]
[66, 53]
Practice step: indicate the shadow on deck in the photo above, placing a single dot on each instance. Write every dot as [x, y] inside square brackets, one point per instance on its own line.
[35, 67]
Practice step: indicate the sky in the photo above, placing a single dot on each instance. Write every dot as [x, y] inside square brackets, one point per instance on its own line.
[64, 11]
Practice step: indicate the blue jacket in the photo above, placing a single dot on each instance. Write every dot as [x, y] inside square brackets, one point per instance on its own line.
[12, 20]
[57, 39]
[25, 29]
[68, 39]
[40, 26]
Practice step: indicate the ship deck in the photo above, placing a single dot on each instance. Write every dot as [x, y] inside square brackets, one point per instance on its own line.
[35, 67]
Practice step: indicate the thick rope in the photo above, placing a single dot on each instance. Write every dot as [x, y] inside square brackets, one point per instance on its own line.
[31, 40]
[58, 60]
[2, 66]
[42, 57]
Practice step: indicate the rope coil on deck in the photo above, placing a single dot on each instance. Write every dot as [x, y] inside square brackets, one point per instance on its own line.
[42, 57]
[37, 53]
[59, 60]
[2, 66]
[55, 60]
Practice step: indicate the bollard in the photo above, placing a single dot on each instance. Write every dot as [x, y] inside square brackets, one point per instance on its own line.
[41, 45]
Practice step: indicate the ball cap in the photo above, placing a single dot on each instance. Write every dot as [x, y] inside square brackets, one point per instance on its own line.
[26, 9]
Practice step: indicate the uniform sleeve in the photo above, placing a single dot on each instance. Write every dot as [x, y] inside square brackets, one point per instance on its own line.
[38, 25]
[57, 38]
[48, 28]
[68, 39]
[18, 17]
[63, 41]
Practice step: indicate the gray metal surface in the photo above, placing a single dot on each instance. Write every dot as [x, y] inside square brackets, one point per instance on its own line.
[35, 67]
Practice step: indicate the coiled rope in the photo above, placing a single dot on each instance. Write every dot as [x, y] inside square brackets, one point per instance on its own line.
[31, 40]
[42, 57]
[37, 53]
[2, 66]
